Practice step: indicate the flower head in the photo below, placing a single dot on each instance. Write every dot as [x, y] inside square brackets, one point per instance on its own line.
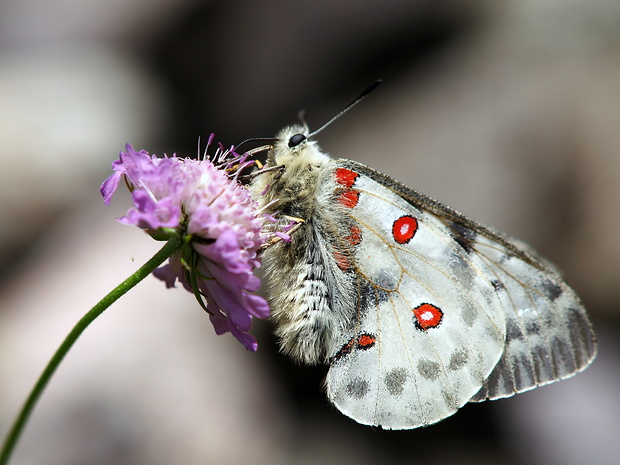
[217, 222]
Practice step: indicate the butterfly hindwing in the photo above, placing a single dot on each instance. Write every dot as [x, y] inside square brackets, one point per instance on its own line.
[549, 336]
[442, 301]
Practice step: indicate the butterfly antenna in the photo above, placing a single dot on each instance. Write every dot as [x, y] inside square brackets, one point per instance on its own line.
[366, 91]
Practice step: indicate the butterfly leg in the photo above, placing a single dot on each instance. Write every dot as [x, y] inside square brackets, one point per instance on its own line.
[296, 224]
[279, 168]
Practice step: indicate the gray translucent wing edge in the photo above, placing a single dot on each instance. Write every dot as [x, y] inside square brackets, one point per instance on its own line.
[548, 334]
[547, 363]
[565, 343]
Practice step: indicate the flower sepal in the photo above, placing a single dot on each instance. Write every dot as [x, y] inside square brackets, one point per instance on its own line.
[163, 234]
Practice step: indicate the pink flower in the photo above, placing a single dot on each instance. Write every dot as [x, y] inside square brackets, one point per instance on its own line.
[219, 226]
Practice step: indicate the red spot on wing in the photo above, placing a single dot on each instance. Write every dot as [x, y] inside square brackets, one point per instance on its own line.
[364, 341]
[344, 350]
[342, 260]
[427, 316]
[346, 177]
[349, 198]
[404, 228]
[354, 238]
[355, 235]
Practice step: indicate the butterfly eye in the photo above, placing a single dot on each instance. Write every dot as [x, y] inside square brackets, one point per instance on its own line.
[296, 139]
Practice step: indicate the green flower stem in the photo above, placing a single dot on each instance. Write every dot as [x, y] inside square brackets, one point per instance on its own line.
[146, 269]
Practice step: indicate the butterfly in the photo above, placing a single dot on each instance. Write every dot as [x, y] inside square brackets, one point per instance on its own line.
[416, 308]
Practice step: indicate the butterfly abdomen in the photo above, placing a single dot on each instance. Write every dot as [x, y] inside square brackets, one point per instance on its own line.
[308, 305]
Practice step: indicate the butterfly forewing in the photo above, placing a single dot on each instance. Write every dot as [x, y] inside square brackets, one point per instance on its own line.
[436, 316]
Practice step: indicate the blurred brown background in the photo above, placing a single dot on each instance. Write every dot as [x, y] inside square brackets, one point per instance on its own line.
[508, 111]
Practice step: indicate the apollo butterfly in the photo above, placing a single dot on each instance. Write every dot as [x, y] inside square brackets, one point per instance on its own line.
[416, 308]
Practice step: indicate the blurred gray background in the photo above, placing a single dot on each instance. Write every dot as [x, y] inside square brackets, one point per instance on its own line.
[508, 111]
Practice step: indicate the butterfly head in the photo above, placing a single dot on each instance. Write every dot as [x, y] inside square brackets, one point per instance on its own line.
[293, 147]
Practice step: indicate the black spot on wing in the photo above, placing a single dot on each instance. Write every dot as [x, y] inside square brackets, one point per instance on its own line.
[395, 380]
[385, 280]
[371, 294]
[428, 369]
[552, 290]
[458, 359]
[380, 296]
[513, 331]
[532, 327]
[463, 236]
[358, 387]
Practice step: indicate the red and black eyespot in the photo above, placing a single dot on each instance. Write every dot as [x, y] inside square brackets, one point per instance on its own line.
[427, 316]
[364, 341]
[404, 228]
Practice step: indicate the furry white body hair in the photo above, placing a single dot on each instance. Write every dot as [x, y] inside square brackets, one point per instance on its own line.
[310, 295]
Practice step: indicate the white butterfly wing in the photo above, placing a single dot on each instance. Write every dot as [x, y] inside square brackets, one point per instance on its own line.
[419, 370]
[451, 314]
[549, 336]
